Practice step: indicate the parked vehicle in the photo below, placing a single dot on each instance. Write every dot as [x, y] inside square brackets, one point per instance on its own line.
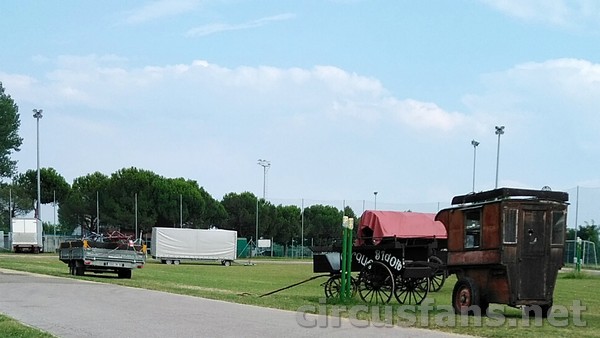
[398, 254]
[172, 245]
[505, 246]
[26, 235]
[114, 253]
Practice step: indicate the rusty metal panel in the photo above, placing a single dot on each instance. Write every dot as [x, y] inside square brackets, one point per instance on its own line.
[491, 226]
[475, 257]
[509, 254]
[493, 283]
[456, 231]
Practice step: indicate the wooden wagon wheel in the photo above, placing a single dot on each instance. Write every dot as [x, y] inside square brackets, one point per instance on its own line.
[333, 286]
[411, 291]
[376, 283]
[439, 274]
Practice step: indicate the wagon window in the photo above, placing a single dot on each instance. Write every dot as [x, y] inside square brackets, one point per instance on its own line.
[558, 227]
[472, 229]
[510, 225]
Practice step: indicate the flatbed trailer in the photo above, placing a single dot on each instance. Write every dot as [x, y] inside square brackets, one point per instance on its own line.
[101, 257]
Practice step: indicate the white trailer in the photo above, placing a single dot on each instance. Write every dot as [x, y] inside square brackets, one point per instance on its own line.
[26, 235]
[172, 245]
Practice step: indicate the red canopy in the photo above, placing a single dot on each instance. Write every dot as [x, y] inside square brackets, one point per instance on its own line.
[378, 224]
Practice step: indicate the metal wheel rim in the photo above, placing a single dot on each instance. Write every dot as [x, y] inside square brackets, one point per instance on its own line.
[463, 298]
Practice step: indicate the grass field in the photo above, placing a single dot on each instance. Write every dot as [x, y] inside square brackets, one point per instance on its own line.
[10, 328]
[241, 283]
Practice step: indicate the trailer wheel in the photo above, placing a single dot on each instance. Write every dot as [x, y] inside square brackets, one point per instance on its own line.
[168, 261]
[465, 297]
[226, 263]
[125, 273]
[79, 268]
[176, 262]
[376, 283]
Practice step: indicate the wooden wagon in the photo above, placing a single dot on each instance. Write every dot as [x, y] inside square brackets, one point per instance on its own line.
[397, 254]
[505, 246]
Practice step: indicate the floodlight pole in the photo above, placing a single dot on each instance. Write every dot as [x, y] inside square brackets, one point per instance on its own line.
[37, 114]
[474, 144]
[97, 213]
[180, 211]
[499, 132]
[375, 193]
[136, 216]
[301, 227]
[54, 223]
[266, 165]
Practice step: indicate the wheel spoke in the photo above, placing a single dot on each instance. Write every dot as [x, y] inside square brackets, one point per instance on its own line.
[376, 283]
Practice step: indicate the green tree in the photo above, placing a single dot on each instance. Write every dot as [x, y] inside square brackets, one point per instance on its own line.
[324, 224]
[52, 185]
[9, 134]
[118, 206]
[241, 210]
[214, 213]
[79, 207]
[287, 224]
[179, 200]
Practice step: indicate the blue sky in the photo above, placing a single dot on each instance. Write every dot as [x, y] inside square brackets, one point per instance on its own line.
[343, 97]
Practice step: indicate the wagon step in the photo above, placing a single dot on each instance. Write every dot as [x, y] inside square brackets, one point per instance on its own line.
[417, 272]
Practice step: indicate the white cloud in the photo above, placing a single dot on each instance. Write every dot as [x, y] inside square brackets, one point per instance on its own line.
[572, 82]
[210, 123]
[323, 92]
[222, 27]
[565, 13]
[160, 9]
[548, 109]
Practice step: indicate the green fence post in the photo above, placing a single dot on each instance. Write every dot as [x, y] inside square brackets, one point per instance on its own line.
[343, 258]
[348, 262]
[579, 254]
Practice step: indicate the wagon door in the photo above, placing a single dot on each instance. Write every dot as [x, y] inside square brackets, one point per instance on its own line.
[532, 254]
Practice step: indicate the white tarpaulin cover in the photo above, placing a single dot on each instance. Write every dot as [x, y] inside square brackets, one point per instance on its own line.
[194, 243]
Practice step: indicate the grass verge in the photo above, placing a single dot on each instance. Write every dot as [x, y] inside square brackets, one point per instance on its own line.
[10, 328]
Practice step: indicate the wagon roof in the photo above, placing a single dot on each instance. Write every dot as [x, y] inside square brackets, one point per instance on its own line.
[505, 193]
[400, 224]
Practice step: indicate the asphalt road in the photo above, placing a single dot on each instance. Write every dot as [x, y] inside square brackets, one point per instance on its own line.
[68, 307]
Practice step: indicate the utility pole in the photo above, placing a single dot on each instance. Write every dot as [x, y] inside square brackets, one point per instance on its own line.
[37, 114]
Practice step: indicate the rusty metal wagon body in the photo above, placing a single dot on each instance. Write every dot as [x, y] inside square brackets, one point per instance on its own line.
[398, 254]
[505, 246]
